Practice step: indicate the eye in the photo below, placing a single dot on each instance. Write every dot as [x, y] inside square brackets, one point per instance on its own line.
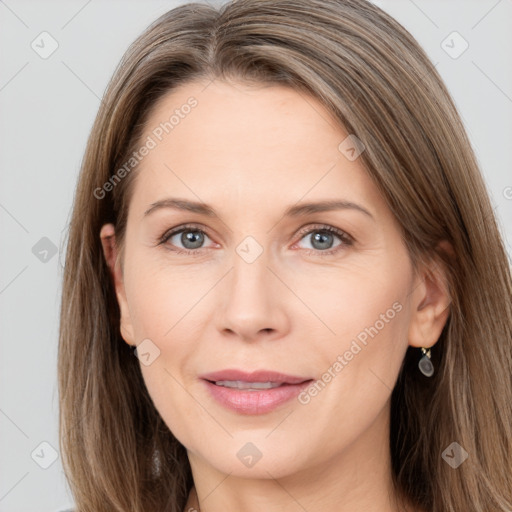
[322, 239]
[191, 237]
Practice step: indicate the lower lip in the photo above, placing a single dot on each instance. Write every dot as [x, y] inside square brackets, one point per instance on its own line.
[255, 402]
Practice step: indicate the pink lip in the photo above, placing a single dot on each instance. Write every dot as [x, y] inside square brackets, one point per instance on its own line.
[257, 401]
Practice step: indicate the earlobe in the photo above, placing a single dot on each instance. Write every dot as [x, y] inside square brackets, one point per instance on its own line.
[431, 306]
[110, 251]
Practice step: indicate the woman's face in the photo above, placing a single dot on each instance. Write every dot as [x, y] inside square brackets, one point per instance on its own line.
[261, 288]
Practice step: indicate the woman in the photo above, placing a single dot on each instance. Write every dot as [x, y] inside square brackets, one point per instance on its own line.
[209, 360]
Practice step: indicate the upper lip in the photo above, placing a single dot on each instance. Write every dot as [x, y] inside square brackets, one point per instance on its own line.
[255, 376]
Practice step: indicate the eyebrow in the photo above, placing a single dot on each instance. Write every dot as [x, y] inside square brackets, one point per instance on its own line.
[297, 210]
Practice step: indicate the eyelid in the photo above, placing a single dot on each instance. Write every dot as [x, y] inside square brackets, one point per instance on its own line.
[325, 227]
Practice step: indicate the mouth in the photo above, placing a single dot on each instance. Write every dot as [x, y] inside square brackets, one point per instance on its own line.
[250, 386]
[253, 393]
[256, 377]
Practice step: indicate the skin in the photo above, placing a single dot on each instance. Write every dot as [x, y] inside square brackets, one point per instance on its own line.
[251, 152]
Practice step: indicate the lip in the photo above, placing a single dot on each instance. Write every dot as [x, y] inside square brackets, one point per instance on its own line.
[255, 376]
[257, 401]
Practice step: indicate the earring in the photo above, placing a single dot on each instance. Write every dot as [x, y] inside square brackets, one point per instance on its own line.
[425, 365]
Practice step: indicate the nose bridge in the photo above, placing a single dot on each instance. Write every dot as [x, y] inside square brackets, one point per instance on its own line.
[250, 272]
[250, 301]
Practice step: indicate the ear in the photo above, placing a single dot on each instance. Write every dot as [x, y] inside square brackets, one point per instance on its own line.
[430, 302]
[111, 253]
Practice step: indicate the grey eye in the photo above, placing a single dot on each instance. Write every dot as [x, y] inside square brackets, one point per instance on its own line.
[321, 240]
[190, 239]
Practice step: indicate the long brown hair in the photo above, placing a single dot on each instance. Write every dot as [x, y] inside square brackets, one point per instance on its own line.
[372, 75]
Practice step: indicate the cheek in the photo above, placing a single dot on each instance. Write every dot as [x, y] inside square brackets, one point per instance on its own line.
[373, 315]
[164, 308]
[360, 302]
[358, 367]
[367, 308]
[377, 323]
[160, 296]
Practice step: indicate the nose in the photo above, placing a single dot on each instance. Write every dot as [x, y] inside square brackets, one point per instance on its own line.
[252, 301]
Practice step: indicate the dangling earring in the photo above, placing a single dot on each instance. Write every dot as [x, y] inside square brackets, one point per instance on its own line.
[425, 365]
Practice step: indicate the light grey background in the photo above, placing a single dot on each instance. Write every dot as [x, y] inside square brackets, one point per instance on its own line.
[47, 109]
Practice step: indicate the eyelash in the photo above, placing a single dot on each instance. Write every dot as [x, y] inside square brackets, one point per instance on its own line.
[346, 239]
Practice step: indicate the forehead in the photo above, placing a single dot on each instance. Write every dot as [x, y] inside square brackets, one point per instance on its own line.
[224, 113]
[253, 144]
